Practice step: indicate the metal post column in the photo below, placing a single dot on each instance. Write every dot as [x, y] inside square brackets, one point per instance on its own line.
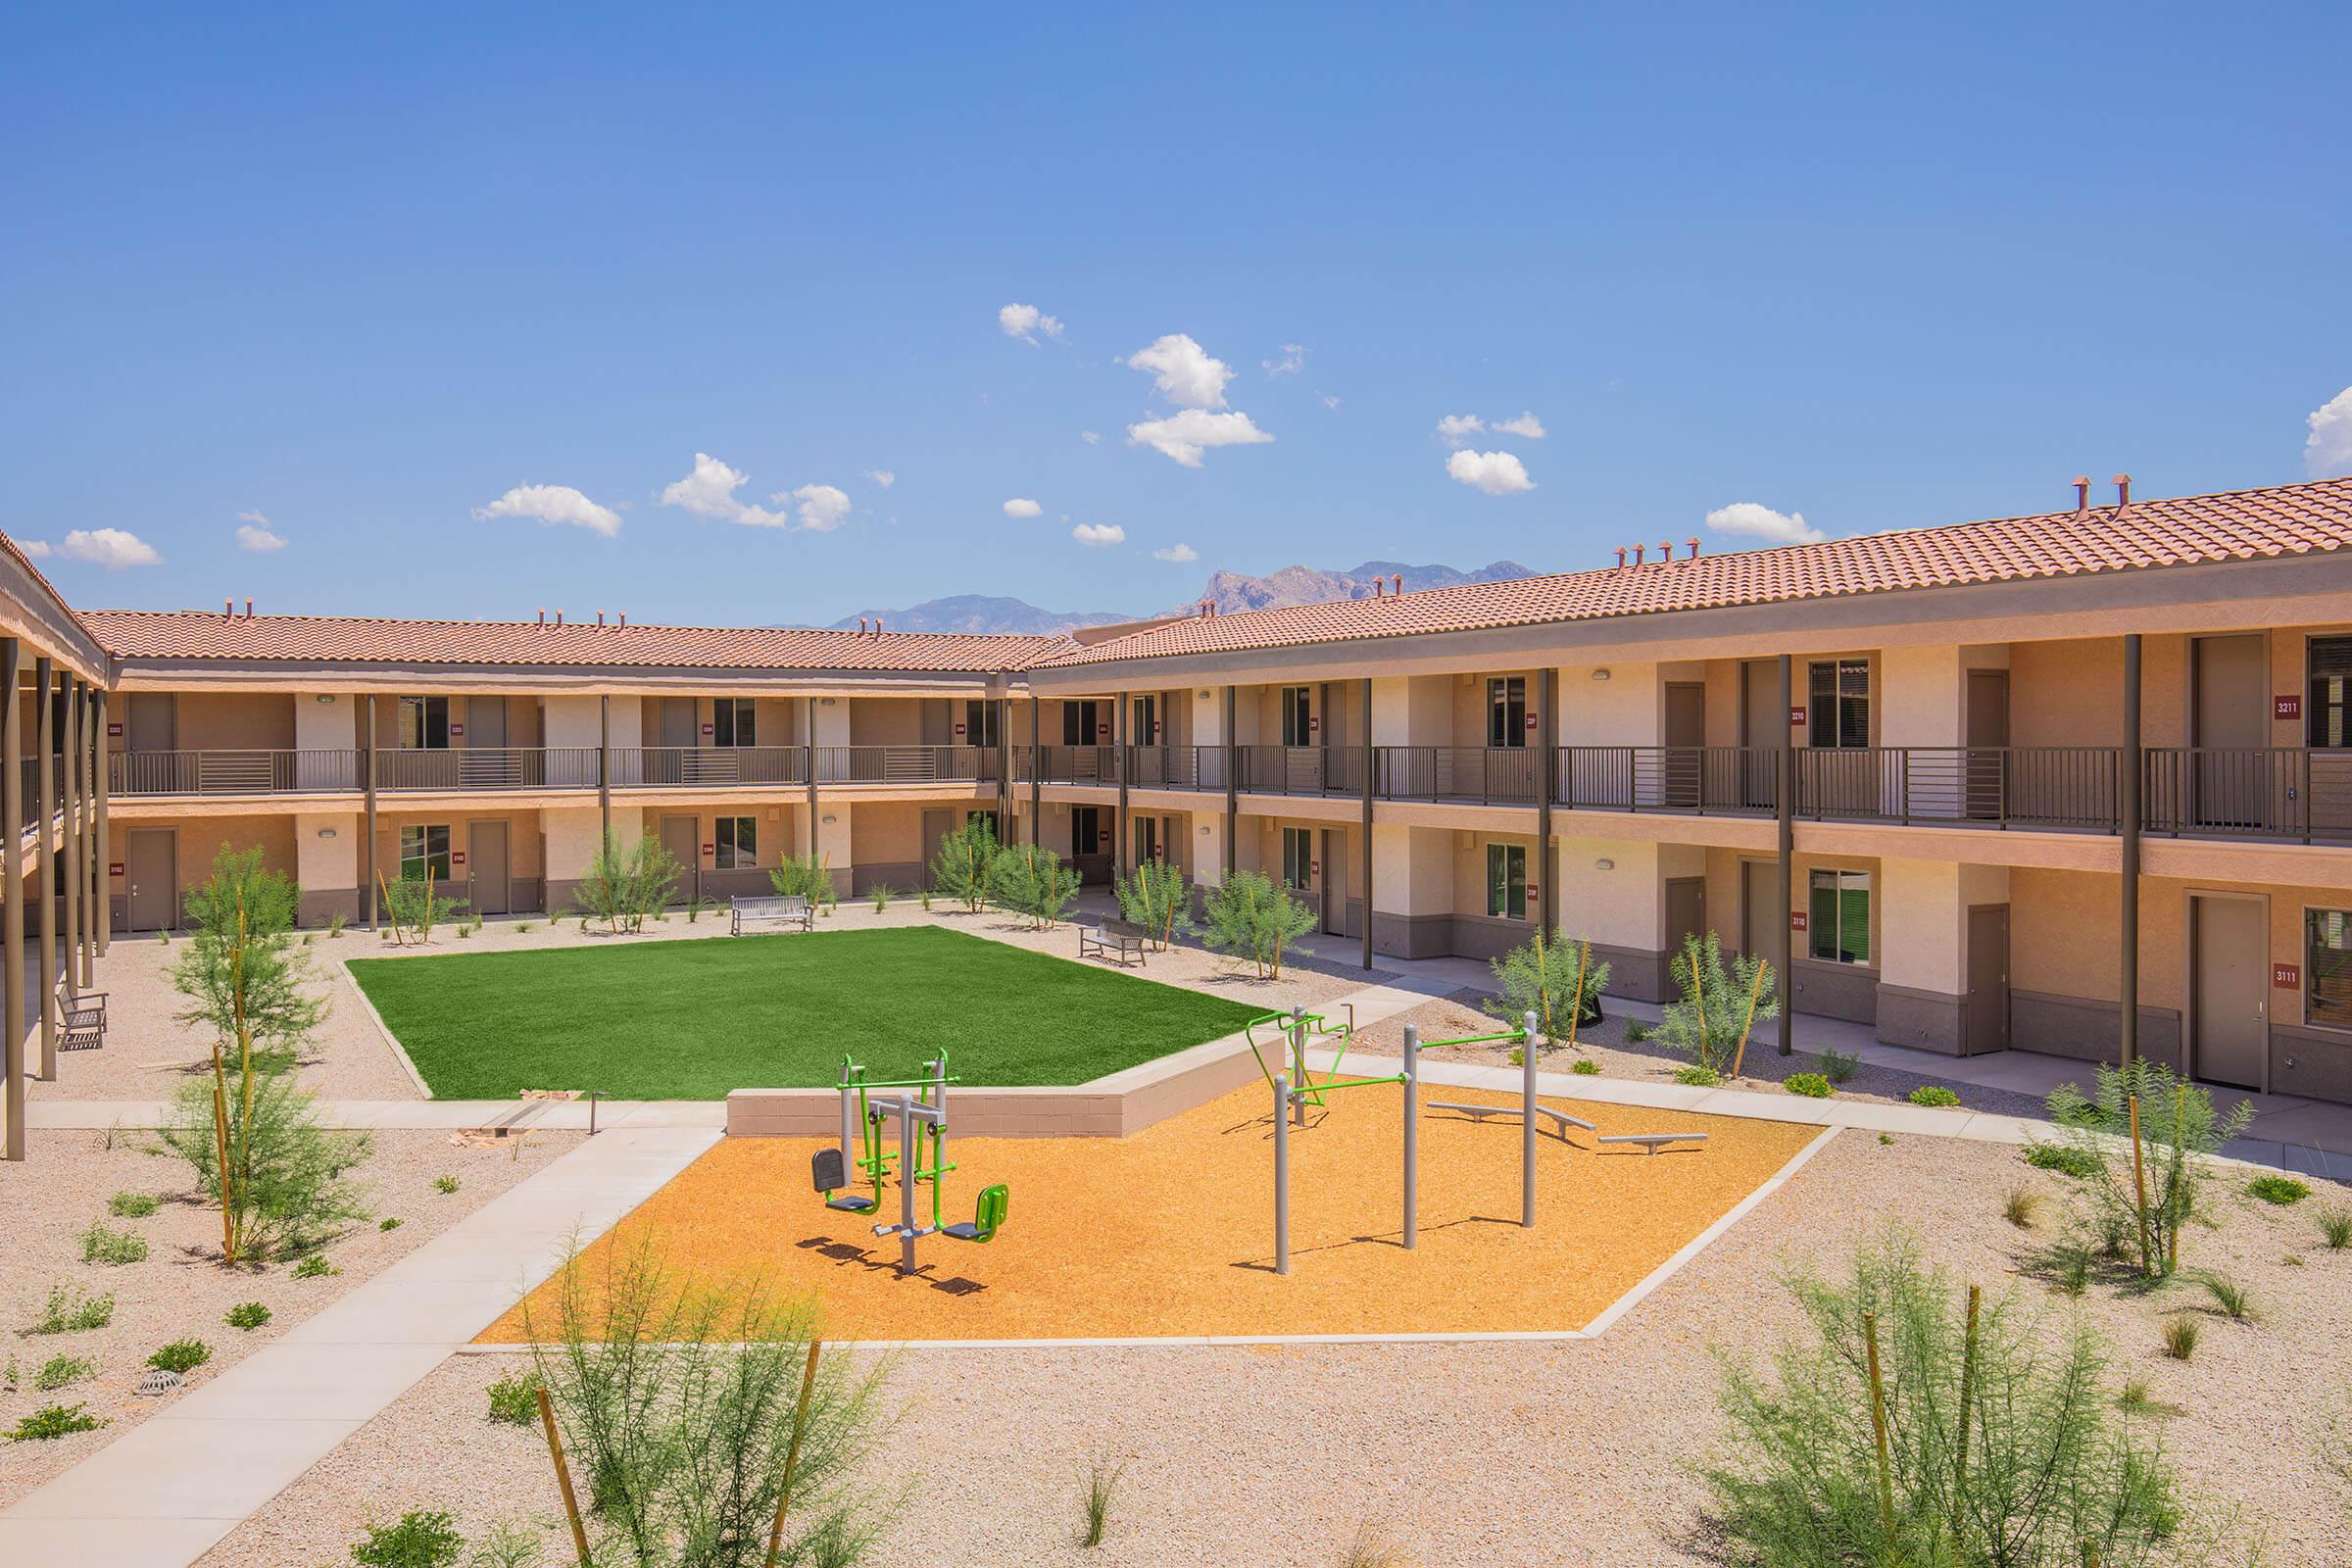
[85, 763]
[1233, 784]
[11, 895]
[1004, 820]
[99, 784]
[1365, 858]
[1118, 758]
[1785, 863]
[1527, 1119]
[368, 754]
[70, 765]
[604, 769]
[1413, 1134]
[45, 786]
[2128, 1040]
[809, 745]
[1037, 774]
[1547, 723]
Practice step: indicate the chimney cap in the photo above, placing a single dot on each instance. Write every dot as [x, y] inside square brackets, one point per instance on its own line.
[2123, 489]
[1693, 542]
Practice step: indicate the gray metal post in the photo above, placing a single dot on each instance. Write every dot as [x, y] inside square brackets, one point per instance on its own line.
[1364, 858]
[809, 759]
[103, 872]
[11, 893]
[1413, 1134]
[1282, 1173]
[1233, 782]
[1527, 1122]
[45, 873]
[368, 867]
[604, 769]
[1784, 865]
[1299, 1058]
[848, 1114]
[907, 1148]
[70, 829]
[2127, 1013]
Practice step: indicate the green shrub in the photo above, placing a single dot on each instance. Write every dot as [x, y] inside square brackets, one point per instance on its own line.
[1032, 882]
[101, 1244]
[70, 1312]
[2181, 1331]
[2178, 1129]
[445, 1184]
[2054, 1475]
[2278, 1190]
[2065, 1159]
[1250, 917]
[1103, 1475]
[1154, 897]
[1541, 976]
[2230, 1299]
[417, 1540]
[1585, 1066]
[60, 1370]
[1933, 1095]
[1696, 1077]
[181, 1355]
[880, 894]
[416, 905]
[2021, 1205]
[1838, 1067]
[1635, 1031]
[1811, 1085]
[2336, 1228]
[291, 1190]
[247, 1315]
[805, 876]
[314, 1266]
[514, 1399]
[624, 887]
[965, 863]
[2070, 1270]
[54, 1421]
[132, 1206]
[1718, 1005]
[390, 1222]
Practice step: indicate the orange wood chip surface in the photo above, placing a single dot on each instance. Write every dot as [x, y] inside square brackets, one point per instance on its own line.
[1171, 1232]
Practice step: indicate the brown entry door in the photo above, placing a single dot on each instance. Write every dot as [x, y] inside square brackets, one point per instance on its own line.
[682, 837]
[2231, 1012]
[488, 868]
[937, 826]
[1985, 1024]
[485, 763]
[1686, 740]
[1686, 911]
[1986, 772]
[151, 864]
[1762, 921]
[2234, 717]
[1763, 727]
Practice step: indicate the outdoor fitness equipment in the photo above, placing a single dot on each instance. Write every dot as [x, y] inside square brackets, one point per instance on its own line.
[1297, 1027]
[922, 1117]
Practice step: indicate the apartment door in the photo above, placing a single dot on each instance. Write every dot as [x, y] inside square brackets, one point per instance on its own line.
[1763, 730]
[484, 762]
[2232, 717]
[2230, 971]
[1686, 742]
[1686, 911]
[937, 826]
[680, 733]
[1761, 919]
[151, 861]
[1330, 884]
[1984, 1012]
[148, 736]
[682, 837]
[1987, 777]
[488, 866]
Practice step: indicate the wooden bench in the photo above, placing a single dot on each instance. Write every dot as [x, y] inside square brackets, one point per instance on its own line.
[1114, 941]
[789, 909]
[82, 1020]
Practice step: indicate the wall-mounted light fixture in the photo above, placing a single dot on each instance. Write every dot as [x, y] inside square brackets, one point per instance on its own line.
[827, 820]
[1204, 692]
[1600, 675]
[326, 832]
[1604, 866]
[327, 698]
[1205, 830]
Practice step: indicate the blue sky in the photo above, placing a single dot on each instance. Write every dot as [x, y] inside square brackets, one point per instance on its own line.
[365, 275]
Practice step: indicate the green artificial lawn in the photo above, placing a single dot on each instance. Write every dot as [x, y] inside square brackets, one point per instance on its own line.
[692, 1019]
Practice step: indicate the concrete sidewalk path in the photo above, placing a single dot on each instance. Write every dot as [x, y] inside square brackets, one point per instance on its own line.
[553, 1115]
[168, 1489]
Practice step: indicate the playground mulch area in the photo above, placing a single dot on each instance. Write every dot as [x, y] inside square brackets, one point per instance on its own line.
[693, 1020]
[1170, 1232]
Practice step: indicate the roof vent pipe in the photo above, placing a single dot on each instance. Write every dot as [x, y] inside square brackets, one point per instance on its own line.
[1621, 555]
[599, 617]
[559, 618]
[2081, 493]
[877, 625]
[1395, 584]
[624, 617]
[1693, 542]
[542, 614]
[249, 609]
[228, 610]
[1638, 550]
[1665, 550]
[860, 625]
[2123, 490]
[1379, 587]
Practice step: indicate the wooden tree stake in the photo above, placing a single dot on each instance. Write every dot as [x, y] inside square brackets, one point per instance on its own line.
[1878, 1426]
[791, 1453]
[571, 1502]
[2139, 1184]
[1747, 1024]
[1968, 1391]
[1575, 1006]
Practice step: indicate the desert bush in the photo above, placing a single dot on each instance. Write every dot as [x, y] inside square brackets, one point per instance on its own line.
[1811, 1085]
[1102, 1475]
[180, 1355]
[69, 1310]
[1585, 1066]
[247, 1315]
[514, 1399]
[2279, 1190]
[2336, 1228]
[289, 1189]
[314, 1266]
[445, 1184]
[880, 894]
[60, 1370]
[624, 887]
[1156, 897]
[2229, 1298]
[1554, 978]
[132, 1206]
[679, 1402]
[1933, 1095]
[2065, 1159]
[965, 862]
[805, 876]
[102, 1244]
[1034, 883]
[418, 1539]
[2181, 1333]
[1250, 917]
[2054, 1475]
[2021, 1205]
[1709, 1021]
[2154, 1176]
[1696, 1077]
[54, 1421]
[416, 904]
[1838, 1067]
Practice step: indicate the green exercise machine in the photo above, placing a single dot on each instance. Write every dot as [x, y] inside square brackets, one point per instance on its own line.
[920, 1109]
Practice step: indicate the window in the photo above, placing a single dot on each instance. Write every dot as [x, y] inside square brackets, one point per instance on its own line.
[424, 851]
[735, 844]
[424, 724]
[2330, 678]
[2328, 968]
[1506, 710]
[1838, 703]
[731, 723]
[1147, 840]
[1837, 917]
[1086, 830]
[1297, 717]
[1144, 718]
[1298, 857]
[979, 724]
[1078, 724]
[1506, 881]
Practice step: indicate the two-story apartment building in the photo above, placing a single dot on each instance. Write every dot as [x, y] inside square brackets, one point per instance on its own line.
[2077, 782]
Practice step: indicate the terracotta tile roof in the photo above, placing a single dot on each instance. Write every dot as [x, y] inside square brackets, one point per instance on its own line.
[183, 634]
[2185, 530]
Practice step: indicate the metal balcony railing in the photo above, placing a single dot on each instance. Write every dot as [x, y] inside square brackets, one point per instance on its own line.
[694, 766]
[1298, 769]
[1703, 780]
[229, 772]
[906, 765]
[460, 770]
[1068, 764]
[2064, 786]
[1176, 768]
[1468, 775]
[2255, 792]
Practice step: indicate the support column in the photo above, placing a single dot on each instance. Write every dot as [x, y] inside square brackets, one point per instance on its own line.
[368, 860]
[1037, 771]
[809, 745]
[12, 896]
[2129, 869]
[1005, 769]
[1118, 758]
[1784, 878]
[604, 769]
[1547, 734]
[99, 782]
[1364, 840]
[44, 809]
[85, 759]
[1233, 785]
[70, 767]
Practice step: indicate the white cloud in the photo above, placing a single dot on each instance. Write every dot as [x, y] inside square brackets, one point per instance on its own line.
[35, 548]
[254, 533]
[1023, 507]
[2327, 453]
[1331, 400]
[1526, 424]
[1176, 553]
[1025, 322]
[1292, 361]
[1099, 534]
[1762, 522]
[710, 492]
[1090, 437]
[884, 477]
[551, 504]
[1185, 436]
[1498, 473]
[1455, 429]
[1186, 373]
[823, 508]
[110, 548]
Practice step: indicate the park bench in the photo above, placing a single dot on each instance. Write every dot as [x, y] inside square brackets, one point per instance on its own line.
[82, 1019]
[789, 909]
[1114, 941]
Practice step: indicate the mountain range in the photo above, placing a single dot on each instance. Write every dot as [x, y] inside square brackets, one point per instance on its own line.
[1230, 590]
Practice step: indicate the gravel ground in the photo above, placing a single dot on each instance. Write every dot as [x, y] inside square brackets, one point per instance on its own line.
[180, 1290]
[1512, 1454]
[1605, 1044]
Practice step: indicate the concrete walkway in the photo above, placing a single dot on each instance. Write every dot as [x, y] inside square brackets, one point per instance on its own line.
[432, 1115]
[165, 1492]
